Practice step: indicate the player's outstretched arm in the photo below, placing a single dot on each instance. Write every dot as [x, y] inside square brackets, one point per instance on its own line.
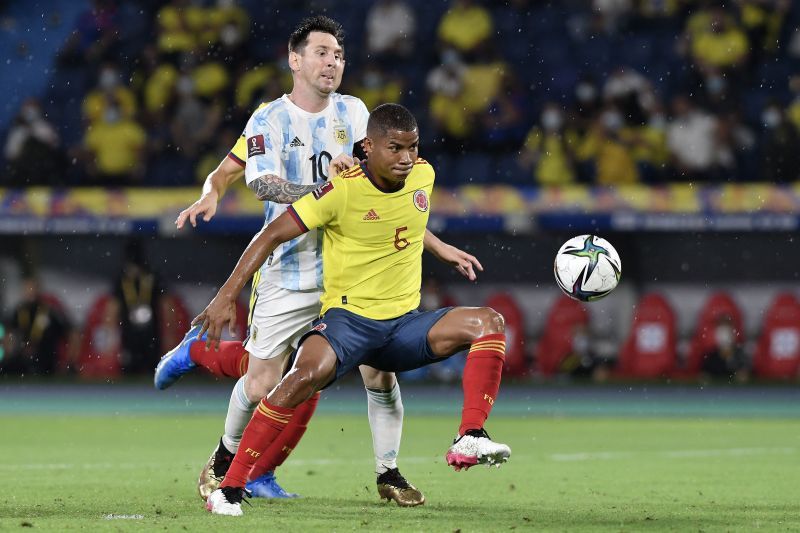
[227, 172]
[271, 188]
[464, 263]
[222, 308]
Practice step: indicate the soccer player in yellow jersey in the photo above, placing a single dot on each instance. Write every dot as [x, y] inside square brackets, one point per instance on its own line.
[316, 57]
[374, 217]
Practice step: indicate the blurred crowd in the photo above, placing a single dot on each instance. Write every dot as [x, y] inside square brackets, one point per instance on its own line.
[524, 92]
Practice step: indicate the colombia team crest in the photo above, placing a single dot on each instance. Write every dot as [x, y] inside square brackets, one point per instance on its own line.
[421, 200]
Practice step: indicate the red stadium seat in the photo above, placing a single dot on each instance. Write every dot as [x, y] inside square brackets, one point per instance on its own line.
[174, 321]
[778, 351]
[101, 341]
[516, 363]
[649, 351]
[555, 344]
[718, 305]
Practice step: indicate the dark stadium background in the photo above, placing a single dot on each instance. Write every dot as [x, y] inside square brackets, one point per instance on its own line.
[616, 72]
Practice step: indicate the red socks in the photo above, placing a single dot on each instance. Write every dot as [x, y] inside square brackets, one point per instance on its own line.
[287, 441]
[481, 380]
[263, 429]
[231, 360]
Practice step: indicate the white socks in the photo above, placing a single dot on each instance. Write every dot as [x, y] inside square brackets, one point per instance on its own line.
[240, 411]
[385, 411]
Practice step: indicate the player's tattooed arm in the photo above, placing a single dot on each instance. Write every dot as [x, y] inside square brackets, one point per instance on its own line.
[271, 188]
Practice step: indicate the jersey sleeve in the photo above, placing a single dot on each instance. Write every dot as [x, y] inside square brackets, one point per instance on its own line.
[262, 148]
[239, 151]
[360, 118]
[322, 207]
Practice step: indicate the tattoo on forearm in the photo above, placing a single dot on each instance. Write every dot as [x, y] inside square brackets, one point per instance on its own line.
[271, 188]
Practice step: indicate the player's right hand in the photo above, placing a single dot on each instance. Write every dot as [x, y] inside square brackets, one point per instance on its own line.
[340, 163]
[206, 206]
[213, 318]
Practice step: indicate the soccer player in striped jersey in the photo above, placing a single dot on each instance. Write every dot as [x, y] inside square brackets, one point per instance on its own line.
[286, 150]
[374, 219]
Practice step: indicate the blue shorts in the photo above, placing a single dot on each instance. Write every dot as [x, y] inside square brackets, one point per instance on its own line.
[394, 345]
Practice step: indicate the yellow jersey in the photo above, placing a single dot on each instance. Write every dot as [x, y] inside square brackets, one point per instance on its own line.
[372, 244]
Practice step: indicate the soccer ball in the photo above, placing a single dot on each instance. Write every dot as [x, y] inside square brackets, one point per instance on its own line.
[587, 268]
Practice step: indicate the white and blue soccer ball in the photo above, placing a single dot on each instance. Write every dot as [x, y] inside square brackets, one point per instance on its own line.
[587, 268]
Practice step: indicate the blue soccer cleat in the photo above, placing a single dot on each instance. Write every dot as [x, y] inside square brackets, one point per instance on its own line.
[177, 361]
[266, 486]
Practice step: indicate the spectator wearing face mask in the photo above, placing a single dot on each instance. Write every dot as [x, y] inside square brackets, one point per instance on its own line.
[550, 150]
[696, 148]
[726, 359]
[610, 150]
[390, 29]
[109, 92]
[716, 42]
[780, 159]
[114, 149]
[375, 87]
[33, 150]
[196, 118]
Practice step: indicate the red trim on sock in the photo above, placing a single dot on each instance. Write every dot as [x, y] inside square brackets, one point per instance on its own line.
[481, 380]
[263, 429]
[230, 361]
[282, 447]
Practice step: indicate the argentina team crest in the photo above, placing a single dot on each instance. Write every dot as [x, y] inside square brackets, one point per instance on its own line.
[421, 200]
[340, 134]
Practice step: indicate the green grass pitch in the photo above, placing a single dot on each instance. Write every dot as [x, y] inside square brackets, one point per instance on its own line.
[137, 472]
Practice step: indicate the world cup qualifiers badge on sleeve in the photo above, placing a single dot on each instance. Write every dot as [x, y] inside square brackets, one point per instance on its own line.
[323, 190]
[255, 145]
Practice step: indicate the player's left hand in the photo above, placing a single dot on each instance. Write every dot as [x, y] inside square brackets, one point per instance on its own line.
[464, 263]
[213, 319]
[340, 163]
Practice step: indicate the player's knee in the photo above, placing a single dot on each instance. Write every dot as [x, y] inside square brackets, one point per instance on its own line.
[376, 379]
[303, 380]
[257, 387]
[491, 321]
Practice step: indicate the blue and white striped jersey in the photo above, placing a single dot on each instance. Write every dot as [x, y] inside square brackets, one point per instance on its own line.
[296, 145]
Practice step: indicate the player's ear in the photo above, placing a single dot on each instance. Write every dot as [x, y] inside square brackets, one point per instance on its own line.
[367, 145]
[294, 61]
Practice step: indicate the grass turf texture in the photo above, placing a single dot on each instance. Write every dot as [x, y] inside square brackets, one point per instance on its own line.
[138, 472]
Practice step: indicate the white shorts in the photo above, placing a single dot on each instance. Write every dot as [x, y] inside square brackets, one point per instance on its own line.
[278, 318]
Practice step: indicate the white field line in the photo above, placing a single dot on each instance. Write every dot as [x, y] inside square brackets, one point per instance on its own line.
[672, 454]
[557, 457]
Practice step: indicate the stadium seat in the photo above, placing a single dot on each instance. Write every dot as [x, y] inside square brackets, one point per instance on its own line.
[516, 360]
[101, 341]
[174, 321]
[777, 353]
[649, 351]
[718, 305]
[556, 341]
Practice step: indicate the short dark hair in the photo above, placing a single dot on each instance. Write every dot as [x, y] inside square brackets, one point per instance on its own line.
[299, 37]
[387, 117]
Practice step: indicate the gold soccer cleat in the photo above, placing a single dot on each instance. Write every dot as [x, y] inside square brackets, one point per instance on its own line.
[393, 486]
[214, 471]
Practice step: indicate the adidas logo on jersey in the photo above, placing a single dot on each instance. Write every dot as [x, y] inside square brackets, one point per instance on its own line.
[372, 215]
[296, 142]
